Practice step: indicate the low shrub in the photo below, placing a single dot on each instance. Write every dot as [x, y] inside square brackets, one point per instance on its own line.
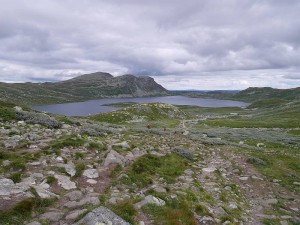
[95, 130]
[37, 118]
[256, 161]
[183, 153]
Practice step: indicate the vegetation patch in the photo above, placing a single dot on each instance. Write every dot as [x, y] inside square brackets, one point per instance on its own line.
[175, 212]
[126, 210]
[22, 210]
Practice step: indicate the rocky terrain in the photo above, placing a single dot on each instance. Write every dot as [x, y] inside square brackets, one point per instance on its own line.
[111, 169]
[85, 87]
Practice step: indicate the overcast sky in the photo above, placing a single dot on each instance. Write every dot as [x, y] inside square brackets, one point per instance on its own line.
[192, 44]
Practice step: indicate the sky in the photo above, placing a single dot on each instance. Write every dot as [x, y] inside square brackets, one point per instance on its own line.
[192, 44]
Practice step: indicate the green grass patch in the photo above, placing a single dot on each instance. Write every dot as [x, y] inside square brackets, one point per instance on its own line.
[281, 167]
[66, 141]
[175, 212]
[125, 210]
[16, 177]
[294, 132]
[22, 210]
[79, 169]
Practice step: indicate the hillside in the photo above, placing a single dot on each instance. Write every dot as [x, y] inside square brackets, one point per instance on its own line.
[85, 87]
[254, 93]
[193, 166]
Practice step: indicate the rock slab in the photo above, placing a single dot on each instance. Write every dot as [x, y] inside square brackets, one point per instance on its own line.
[101, 215]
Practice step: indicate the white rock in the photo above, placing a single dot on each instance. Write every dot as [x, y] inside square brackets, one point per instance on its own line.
[65, 182]
[244, 178]
[150, 199]
[209, 169]
[91, 173]
[91, 181]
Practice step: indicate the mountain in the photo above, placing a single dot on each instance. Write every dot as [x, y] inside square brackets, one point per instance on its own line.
[254, 93]
[84, 87]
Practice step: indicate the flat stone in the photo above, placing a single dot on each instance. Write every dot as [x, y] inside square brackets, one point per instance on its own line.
[8, 187]
[34, 223]
[91, 181]
[284, 222]
[74, 214]
[228, 188]
[101, 215]
[86, 200]
[271, 201]
[74, 195]
[296, 183]
[91, 173]
[243, 178]
[266, 216]
[52, 216]
[65, 182]
[209, 169]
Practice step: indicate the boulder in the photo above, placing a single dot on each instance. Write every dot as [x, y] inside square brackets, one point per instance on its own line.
[150, 199]
[101, 215]
[91, 173]
[113, 157]
[65, 182]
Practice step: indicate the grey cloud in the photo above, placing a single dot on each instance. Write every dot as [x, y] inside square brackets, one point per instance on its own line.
[54, 40]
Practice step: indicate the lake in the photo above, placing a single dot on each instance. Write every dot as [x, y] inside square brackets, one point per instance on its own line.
[97, 106]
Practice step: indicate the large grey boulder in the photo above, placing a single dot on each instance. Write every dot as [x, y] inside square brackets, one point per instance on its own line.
[101, 215]
[113, 157]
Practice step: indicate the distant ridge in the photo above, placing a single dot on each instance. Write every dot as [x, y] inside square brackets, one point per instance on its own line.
[256, 93]
[85, 87]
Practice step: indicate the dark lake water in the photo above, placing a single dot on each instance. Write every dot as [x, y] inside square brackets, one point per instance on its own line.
[97, 106]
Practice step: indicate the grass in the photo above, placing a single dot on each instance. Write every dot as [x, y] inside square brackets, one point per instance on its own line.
[147, 167]
[6, 111]
[281, 167]
[22, 210]
[16, 177]
[175, 212]
[68, 141]
[50, 179]
[79, 169]
[126, 210]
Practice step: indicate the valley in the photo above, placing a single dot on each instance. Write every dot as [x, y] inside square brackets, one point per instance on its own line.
[194, 165]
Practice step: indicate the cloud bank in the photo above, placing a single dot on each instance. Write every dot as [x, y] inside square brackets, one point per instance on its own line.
[197, 44]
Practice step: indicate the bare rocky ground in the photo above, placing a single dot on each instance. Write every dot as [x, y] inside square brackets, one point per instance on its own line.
[89, 182]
